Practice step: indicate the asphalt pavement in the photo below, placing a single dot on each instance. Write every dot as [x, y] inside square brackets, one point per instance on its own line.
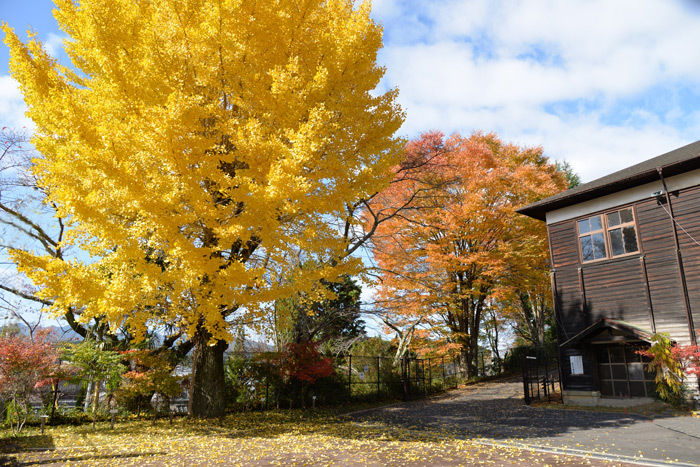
[494, 413]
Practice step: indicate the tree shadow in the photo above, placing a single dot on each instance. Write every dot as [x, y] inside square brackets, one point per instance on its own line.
[87, 457]
[21, 442]
[484, 414]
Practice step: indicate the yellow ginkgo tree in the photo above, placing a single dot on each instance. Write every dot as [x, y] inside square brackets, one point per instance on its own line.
[200, 150]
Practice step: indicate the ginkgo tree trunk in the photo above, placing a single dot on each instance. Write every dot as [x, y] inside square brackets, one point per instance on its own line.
[194, 147]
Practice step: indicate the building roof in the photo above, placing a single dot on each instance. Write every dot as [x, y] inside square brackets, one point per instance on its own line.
[672, 163]
[626, 333]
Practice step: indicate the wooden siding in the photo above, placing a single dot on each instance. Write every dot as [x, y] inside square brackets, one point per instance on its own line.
[617, 288]
[687, 212]
[586, 381]
[656, 234]
[565, 261]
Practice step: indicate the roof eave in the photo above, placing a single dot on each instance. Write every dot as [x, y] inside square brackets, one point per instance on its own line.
[539, 209]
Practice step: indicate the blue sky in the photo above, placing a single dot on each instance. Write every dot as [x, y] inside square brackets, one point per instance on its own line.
[603, 84]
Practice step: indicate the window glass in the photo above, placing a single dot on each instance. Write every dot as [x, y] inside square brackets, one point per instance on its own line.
[631, 354]
[598, 245]
[602, 356]
[613, 219]
[619, 372]
[630, 237]
[621, 388]
[587, 248]
[626, 215]
[637, 390]
[584, 227]
[636, 371]
[617, 355]
[616, 242]
[614, 231]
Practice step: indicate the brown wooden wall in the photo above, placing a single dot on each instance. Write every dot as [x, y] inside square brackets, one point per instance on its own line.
[617, 288]
[687, 213]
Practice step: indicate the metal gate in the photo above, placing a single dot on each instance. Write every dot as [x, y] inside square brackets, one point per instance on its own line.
[541, 378]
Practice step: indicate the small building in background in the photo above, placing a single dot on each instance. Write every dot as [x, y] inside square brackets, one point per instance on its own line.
[625, 264]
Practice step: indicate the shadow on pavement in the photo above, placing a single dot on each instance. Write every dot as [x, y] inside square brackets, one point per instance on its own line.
[496, 411]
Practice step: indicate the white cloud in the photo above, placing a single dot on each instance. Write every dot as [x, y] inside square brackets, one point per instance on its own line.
[587, 80]
[54, 44]
[12, 106]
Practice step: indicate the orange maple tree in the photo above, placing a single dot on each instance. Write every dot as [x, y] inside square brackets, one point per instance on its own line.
[447, 258]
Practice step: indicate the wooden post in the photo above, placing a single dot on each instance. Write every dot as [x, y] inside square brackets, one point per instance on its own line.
[454, 367]
[111, 421]
[647, 291]
[349, 376]
[526, 377]
[444, 376]
[430, 374]
[405, 372]
[378, 373]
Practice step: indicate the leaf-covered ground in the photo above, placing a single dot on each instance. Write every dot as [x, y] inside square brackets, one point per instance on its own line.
[259, 439]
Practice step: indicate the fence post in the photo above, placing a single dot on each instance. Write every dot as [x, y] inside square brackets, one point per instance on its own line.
[405, 372]
[444, 377]
[417, 376]
[425, 388]
[525, 380]
[349, 377]
[527, 384]
[561, 388]
[378, 381]
[546, 380]
[430, 375]
[537, 377]
[454, 368]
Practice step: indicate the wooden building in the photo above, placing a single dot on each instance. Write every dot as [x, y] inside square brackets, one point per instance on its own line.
[625, 263]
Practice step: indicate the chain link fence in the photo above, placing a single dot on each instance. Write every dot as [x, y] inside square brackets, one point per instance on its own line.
[258, 381]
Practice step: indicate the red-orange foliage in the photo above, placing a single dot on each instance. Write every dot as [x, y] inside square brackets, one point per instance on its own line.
[689, 356]
[445, 258]
[25, 364]
[672, 363]
[303, 363]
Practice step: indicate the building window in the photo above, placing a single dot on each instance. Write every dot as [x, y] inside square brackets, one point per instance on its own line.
[608, 235]
[622, 372]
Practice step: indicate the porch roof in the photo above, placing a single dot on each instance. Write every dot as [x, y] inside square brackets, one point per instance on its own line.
[618, 332]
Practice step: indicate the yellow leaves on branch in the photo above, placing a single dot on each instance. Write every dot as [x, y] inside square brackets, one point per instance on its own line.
[199, 146]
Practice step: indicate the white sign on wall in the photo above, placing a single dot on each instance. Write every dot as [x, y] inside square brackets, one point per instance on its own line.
[576, 364]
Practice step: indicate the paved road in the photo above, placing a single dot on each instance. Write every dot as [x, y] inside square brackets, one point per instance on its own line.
[495, 412]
